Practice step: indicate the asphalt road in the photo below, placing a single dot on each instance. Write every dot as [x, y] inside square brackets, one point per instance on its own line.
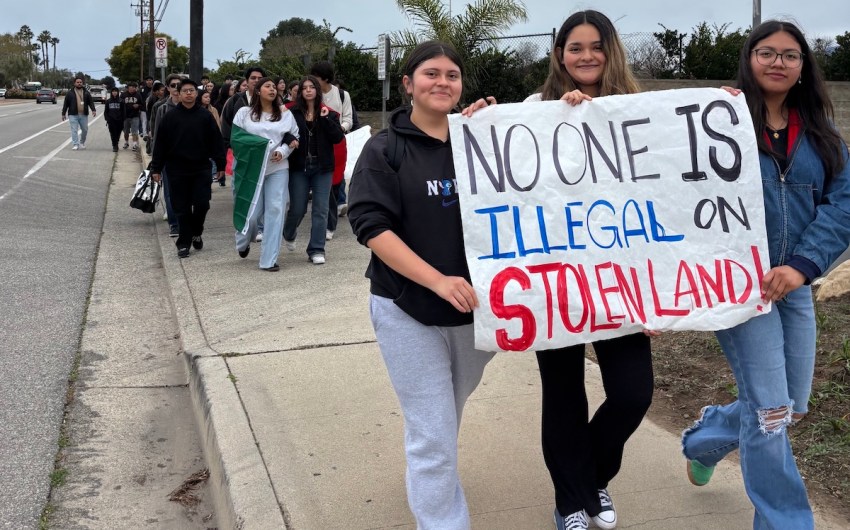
[52, 202]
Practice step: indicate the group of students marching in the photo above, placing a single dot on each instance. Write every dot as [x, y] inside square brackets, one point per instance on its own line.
[301, 134]
[421, 299]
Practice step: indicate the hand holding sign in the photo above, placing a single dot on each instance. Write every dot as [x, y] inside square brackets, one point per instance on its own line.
[594, 221]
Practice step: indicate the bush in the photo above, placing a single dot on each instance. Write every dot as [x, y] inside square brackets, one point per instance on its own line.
[17, 93]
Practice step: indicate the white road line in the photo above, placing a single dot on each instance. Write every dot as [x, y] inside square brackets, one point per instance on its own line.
[27, 139]
[40, 164]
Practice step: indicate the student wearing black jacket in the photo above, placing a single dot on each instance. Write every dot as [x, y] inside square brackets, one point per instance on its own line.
[311, 167]
[187, 138]
[422, 300]
[114, 115]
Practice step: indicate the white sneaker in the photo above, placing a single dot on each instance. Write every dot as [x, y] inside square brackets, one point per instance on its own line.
[164, 216]
[82, 146]
[75, 147]
[329, 234]
[341, 210]
[290, 245]
[573, 521]
[317, 259]
[607, 518]
[259, 237]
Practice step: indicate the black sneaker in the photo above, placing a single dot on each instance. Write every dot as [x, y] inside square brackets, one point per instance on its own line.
[183, 252]
[244, 253]
[126, 145]
[114, 148]
[273, 268]
[173, 231]
[197, 242]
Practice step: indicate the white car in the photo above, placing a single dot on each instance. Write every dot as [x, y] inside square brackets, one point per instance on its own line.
[98, 93]
[2, 92]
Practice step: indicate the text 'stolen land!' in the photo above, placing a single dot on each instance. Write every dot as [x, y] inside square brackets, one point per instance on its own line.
[621, 214]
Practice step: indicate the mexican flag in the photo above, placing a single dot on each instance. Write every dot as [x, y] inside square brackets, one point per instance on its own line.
[251, 154]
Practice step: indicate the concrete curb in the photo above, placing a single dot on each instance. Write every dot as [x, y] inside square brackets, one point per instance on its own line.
[242, 492]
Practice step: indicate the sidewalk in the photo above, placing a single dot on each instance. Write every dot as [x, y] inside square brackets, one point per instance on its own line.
[302, 429]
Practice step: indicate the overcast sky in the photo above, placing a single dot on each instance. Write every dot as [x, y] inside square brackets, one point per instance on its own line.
[88, 29]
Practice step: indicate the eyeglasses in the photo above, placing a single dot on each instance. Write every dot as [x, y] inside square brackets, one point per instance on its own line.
[188, 91]
[767, 56]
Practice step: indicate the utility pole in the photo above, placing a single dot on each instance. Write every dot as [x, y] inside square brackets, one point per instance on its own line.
[756, 13]
[196, 39]
[151, 61]
[140, 12]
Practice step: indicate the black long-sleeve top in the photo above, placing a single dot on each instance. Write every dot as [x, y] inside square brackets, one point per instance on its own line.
[186, 140]
[317, 138]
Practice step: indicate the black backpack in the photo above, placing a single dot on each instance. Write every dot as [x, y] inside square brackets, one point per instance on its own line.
[395, 149]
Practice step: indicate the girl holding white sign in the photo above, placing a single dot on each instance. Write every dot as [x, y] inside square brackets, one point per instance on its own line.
[422, 300]
[583, 455]
[806, 184]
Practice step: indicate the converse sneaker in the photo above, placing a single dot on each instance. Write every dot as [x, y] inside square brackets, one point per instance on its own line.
[173, 231]
[573, 521]
[290, 245]
[698, 474]
[607, 518]
[317, 259]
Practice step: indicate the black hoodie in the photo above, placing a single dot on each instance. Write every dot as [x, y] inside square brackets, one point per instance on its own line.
[419, 203]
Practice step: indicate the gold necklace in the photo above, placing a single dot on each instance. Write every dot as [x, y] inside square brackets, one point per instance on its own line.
[776, 131]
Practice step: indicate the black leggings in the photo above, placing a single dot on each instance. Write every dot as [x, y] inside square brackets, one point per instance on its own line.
[583, 456]
[114, 131]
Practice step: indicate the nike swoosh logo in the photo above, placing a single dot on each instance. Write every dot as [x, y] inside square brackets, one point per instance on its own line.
[447, 204]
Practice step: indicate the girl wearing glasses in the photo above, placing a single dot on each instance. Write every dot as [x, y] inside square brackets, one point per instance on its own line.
[806, 184]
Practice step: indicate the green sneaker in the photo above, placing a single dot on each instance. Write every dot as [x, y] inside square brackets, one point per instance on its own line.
[698, 474]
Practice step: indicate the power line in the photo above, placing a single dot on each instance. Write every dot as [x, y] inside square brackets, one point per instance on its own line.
[160, 14]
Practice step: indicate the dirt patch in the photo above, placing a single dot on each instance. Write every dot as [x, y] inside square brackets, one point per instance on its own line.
[691, 372]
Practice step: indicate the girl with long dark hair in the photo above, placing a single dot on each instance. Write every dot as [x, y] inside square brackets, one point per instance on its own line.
[584, 454]
[806, 185]
[422, 300]
[312, 167]
[266, 118]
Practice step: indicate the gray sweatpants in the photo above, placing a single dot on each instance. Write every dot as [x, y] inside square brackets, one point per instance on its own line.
[433, 370]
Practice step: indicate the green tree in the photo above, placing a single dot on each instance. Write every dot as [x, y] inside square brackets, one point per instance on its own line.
[712, 52]
[14, 62]
[53, 42]
[299, 38]
[471, 32]
[44, 39]
[838, 66]
[124, 59]
[25, 34]
[671, 41]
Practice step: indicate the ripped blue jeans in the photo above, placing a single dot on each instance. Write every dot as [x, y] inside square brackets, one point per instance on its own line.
[772, 357]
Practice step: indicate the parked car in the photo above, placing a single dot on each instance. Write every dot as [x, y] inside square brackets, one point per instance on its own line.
[45, 94]
[98, 93]
[2, 93]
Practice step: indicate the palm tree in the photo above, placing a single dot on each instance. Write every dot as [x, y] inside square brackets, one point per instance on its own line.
[44, 38]
[54, 41]
[26, 35]
[470, 32]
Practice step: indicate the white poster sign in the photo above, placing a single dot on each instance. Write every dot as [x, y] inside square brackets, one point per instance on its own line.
[621, 214]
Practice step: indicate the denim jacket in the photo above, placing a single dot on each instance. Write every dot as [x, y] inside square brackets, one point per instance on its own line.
[804, 218]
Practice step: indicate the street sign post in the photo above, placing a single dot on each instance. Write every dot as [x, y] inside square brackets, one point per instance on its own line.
[161, 52]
